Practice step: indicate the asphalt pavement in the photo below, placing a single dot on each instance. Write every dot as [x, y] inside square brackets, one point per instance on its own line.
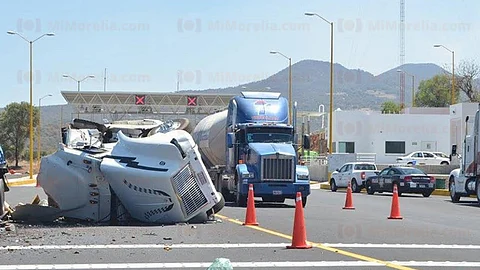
[434, 233]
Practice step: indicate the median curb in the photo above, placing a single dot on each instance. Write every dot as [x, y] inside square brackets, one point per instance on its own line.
[439, 192]
[19, 183]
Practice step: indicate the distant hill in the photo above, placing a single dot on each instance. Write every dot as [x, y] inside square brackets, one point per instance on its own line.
[353, 89]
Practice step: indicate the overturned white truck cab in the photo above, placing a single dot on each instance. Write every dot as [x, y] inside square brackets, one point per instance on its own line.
[154, 179]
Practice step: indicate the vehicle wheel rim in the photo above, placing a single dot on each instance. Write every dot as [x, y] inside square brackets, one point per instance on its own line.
[369, 187]
[452, 190]
[354, 185]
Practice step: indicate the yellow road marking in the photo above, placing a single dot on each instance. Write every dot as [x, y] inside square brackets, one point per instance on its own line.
[319, 245]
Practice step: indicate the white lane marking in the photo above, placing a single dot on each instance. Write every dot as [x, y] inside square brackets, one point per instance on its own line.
[203, 265]
[392, 246]
[234, 264]
[241, 245]
[147, 246]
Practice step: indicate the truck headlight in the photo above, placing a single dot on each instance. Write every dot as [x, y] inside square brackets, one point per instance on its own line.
[247, 175]
[302, 176]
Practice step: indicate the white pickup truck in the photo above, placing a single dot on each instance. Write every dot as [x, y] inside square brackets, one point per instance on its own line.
[355, 173]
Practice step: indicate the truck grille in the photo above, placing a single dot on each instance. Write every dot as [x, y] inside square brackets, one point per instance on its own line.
[277, 169]
[188, 190]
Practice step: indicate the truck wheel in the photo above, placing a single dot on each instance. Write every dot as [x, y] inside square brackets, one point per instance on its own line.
[304, 201]
[333, 185]
[453, 192]
[354, 186]
[229, 197]
[241, 200]
[477, 188]
[369, 188]
[219, 206]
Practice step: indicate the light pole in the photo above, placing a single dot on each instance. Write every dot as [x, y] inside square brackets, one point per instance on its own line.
[39, 136]
[453, 71]
[78, 81]
[289, 85]
[413, 85]
[330, 120]
[30, 42]
[78, 84]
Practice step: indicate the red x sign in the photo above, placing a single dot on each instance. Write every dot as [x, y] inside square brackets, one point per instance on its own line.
[139, 99]
[191, 101]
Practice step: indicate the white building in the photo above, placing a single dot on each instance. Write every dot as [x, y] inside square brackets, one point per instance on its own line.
[458, 114]
[392, 135]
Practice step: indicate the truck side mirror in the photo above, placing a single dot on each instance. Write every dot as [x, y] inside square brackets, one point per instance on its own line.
[230, 139]
[454, 151]
[306, 141]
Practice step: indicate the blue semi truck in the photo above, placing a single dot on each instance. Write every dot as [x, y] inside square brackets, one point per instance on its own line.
[252, 143]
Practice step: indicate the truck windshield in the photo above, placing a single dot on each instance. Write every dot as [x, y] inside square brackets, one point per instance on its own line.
[269, 135]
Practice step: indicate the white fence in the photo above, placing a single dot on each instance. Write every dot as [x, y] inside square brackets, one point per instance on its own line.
[321, 166]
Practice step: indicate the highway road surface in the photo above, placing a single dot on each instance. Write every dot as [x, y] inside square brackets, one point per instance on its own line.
[433, 234]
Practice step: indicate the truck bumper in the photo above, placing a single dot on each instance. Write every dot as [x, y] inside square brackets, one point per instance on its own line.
[282, 190]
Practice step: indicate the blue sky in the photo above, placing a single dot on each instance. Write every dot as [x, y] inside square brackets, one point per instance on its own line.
[144, 44]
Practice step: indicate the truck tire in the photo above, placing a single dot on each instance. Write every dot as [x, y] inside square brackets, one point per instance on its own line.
[304, 201]
[354, 186]
[240, 200]
[478, 191]
[218, 206]
[452, 190]
[333, 185]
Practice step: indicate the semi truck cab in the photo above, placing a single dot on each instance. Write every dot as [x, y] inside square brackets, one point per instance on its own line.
[263, 153]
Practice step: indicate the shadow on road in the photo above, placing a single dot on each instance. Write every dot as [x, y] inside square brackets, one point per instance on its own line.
[260, 204]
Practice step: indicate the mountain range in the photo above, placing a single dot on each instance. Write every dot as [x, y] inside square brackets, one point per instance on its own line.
[353, 89]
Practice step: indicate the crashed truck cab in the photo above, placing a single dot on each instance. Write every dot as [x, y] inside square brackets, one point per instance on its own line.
[155, 179]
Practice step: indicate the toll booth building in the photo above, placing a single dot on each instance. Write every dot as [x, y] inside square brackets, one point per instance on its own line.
[389, 136]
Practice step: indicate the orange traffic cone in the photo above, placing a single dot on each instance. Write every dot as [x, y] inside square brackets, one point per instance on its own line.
[349, 199]
[395, 212]
[251, 216]
[299, 237]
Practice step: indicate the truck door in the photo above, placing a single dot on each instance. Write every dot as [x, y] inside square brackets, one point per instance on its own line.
[346, 175]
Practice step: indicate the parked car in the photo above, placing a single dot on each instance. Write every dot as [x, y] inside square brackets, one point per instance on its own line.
[354, 173]
[422, 158]
[441, 154]
[408, 180]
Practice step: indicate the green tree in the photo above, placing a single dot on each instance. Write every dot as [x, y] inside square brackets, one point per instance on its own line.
[435, 92]
[390, 107]
[15, 128]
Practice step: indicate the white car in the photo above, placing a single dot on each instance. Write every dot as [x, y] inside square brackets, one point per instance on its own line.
[353, 172]
[441, 154]
[423, 158]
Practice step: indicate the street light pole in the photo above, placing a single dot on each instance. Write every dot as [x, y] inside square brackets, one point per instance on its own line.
[39, 136]
[330, 118]
[413, 85]
[290, 102]
[30, 42]
[78, 81]
[453, 71]
[78, 84]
